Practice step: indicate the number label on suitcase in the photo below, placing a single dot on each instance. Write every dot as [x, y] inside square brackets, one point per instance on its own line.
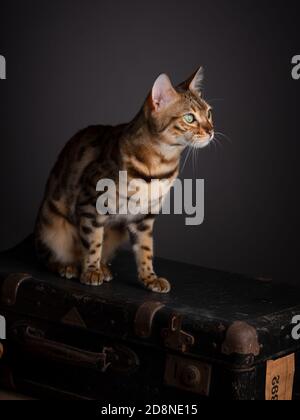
[280, 379]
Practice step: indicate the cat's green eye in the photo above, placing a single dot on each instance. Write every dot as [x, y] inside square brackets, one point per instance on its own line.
[189, 118]
[209, 114]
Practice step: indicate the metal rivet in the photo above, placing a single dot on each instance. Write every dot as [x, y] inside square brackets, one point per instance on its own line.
[191, 376]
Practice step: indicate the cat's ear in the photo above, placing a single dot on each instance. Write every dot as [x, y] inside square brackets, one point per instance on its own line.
[163, 93]
[195, 82]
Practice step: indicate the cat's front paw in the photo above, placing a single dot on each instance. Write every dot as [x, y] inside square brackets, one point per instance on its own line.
[107, 273]
[68, 271]
[158, 285]
[92, 277]
[96, 277]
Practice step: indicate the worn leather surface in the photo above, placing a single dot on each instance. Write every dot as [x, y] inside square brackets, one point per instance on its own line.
[234, 320]
[10, 396]
[196, 291]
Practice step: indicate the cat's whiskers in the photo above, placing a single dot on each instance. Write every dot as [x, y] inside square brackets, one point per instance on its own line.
[219, 133]
[196, 161]
[186, 159]
[213, 144]
[193, 160]
[218, 142]
[195, 151]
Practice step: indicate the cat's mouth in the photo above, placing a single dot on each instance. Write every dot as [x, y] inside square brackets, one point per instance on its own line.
[198, 142]
[201, 142]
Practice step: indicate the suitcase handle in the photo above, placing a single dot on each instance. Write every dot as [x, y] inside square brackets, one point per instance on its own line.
[33, 341]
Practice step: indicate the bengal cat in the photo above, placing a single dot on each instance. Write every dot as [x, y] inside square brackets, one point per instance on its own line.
[72, 238]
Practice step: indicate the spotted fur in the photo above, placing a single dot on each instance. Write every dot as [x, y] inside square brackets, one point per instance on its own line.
[71, 237]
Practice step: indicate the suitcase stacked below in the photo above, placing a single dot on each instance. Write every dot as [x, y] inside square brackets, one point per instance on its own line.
[217, 336]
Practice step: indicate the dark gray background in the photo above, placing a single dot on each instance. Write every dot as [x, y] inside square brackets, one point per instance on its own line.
[75, 63]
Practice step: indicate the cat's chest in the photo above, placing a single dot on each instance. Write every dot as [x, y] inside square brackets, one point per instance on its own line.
[143, 197]
[134, 200]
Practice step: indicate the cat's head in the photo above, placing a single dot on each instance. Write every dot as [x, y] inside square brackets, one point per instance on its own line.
[181, 113]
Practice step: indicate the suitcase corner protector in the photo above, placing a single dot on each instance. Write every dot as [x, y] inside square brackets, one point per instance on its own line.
[241, 338]
[10, 287]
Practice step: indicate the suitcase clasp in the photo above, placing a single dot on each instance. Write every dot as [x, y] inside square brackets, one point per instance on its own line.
[188, 375]
[175, 337]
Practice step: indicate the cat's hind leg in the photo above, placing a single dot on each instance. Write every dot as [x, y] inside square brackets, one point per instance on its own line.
[57, 242]
[69, 271]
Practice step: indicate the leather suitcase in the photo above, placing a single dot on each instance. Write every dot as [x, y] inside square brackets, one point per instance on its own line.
[217, 336]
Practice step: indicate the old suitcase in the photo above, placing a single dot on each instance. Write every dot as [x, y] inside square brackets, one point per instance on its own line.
[217, 336]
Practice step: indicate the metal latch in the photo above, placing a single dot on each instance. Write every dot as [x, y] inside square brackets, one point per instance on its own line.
[188, 375]
[175, 338]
